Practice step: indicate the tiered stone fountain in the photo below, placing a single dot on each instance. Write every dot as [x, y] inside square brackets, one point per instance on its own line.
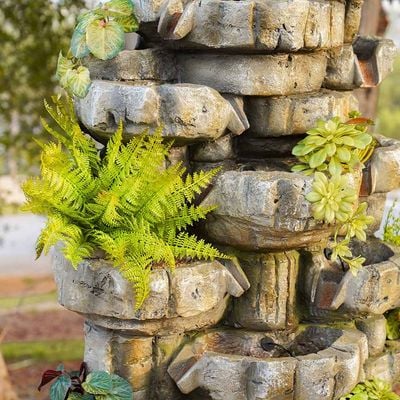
[237, 84]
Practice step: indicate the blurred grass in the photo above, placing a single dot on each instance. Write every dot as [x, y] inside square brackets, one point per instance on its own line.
[388, 122]
[9, 303]
[51, 351]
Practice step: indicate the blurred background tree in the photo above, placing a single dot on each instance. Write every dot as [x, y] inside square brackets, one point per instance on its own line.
[31, 35]
[388, 123]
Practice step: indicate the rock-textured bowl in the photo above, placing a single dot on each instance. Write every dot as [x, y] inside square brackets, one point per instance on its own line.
[326, 363]
[191, 297]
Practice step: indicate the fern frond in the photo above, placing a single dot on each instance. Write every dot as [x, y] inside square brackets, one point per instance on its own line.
[189, 246]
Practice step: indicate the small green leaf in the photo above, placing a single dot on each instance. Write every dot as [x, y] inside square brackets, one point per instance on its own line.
[121, 389]
[78, 396]
[79, 47]
[119, 8]
[318, 158]
[63, 65]
[78, 81]
[98, 382]
[343, 154]
[60, 387]
[105, 39]
[129, 24]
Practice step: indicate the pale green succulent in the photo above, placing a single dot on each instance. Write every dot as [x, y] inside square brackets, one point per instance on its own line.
[341, 250]
[357, 223]
[374, 389]
[331, 146]
[332, 199]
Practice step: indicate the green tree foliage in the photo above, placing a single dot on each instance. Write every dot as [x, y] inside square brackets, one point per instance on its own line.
[389, 104]
[31, 36]
[126, 203]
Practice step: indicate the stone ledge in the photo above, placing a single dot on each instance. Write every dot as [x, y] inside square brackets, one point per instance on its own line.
[195, 295]
[279, 116]
[233, 365]
[336, 294]
[263, 211]
[189, 113]
[145, 65]
[269, 26]
[255, 75]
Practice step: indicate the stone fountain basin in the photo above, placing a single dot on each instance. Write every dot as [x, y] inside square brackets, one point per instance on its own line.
[264, 210]
[374, 290]
[193, 296]
[325, 363]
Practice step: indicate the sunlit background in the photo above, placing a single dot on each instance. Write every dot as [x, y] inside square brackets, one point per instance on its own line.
[35, 333]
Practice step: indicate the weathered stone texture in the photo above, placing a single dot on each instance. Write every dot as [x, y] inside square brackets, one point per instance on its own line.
[188, 113]
[142, 361]
[374, 328]
[138, 65]
[385, 165]
[232, 365]
[255, 75]
[276, 116]
[192, 293]
[352, 20]
[365, 64]
[262, 210]
[219, 150]
[270, 303]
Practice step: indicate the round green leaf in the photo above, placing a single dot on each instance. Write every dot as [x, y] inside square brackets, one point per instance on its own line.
[119, 8]
[98, 382]
[60, 387]
[79, 47]
[362, 141]
[105, 39]
[318, 158]
[77, 81]
[129, 24]
[343, 154]
[63, 65]
[121, 389]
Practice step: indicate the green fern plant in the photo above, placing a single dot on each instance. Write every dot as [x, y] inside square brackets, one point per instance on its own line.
[374, 389]
[100, 32]
[125, 203]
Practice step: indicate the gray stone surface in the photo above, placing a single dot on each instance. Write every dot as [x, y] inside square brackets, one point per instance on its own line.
[145, 65]
[142, 361]
[232, 365]
[352, 20]
[281, 26]
[374, 290]
[270, 303]
[189, 113]
[255, 75]
[385, 165]
[374, 328]
[276, 116]
[365, 64]
[191, 293]
[262, 210]
[376, 207]
[219, 150]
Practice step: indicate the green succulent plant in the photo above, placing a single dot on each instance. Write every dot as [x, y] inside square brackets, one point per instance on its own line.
[393, 324]
[357, 224]
[332, 199]
[126, 203]
[375, 389]
[332, 146]
[100, 32]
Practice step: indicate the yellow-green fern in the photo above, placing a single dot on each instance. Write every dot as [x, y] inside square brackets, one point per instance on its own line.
[126, 203]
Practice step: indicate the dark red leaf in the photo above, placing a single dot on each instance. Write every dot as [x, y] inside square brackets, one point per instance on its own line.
[48, 376]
